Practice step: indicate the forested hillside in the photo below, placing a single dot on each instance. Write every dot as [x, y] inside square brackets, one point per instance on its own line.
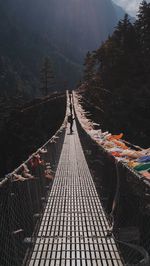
[64, 31]
[22, 50]
[116, 83]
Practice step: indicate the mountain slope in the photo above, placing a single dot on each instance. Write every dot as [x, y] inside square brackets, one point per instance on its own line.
[64, 30]
[120, 12]
[69, 24]
[21, 54]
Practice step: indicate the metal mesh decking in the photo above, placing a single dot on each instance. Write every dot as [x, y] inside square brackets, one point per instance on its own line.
[74, 228]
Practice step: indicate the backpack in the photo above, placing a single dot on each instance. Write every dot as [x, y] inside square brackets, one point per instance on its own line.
[69, 119]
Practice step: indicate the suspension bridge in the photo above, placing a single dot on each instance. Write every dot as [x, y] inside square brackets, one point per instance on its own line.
[52, 214]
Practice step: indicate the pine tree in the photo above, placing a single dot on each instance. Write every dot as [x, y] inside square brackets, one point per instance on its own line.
[118, 77]
[89, 67]
[142, 26]
[46, 76]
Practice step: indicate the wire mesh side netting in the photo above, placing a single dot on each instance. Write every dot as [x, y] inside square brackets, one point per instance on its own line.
[22, 200]
[126, 201]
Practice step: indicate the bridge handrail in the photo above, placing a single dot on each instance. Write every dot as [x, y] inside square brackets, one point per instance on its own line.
[142, 251]
[8, 177]
[131, 170]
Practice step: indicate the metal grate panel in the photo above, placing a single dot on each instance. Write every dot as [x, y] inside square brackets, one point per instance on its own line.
[73, 231]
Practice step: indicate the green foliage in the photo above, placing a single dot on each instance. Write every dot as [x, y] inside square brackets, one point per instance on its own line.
[142, 27]
[46, 76]
[117, 78]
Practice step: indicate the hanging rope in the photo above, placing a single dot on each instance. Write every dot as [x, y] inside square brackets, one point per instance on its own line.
[115, 200]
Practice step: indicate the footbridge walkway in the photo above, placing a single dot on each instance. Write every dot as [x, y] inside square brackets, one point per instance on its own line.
[74, 227]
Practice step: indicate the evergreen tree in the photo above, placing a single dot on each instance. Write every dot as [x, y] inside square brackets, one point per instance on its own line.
[118, 79]
[89, 67]
[46, 76]
[142, 27]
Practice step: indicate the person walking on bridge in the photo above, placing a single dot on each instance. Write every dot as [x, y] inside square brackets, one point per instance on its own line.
[70, 121]
[70, 108]
[70, 96]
